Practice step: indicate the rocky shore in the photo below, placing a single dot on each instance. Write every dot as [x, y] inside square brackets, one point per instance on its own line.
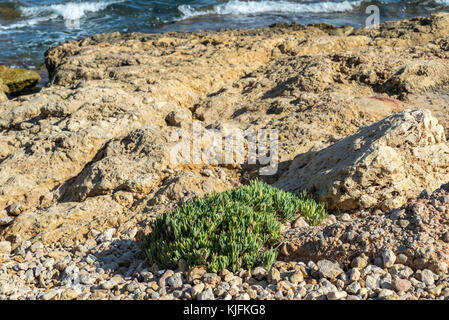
[363, 121]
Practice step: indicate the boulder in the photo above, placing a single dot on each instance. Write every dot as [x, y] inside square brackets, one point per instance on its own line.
[381, 166]
[17, 80]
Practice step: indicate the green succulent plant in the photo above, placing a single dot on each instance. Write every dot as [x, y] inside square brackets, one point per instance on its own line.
[234, 229]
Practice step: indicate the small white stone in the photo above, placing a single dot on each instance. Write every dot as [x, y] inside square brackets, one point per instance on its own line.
[389, 258]
[427, 277]
[107, 235]
[354, 287]
[207, 294]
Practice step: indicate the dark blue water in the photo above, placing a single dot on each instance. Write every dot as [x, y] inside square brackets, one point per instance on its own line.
[28, 28]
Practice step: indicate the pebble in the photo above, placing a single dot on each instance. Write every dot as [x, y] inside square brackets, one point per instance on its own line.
[328, 269]
[36, 246]
[175, 281]
[300, 223]
[244, 296]
[106, 236]
[389, 258]
[163, 279]
[427, 277]
[207, 294]
[113, 282]
[259, 273]
[274, 275]
[354, 274]
[401, 284]
[297, 277]
[354, 287]
[212, 279]
[197, 289]
[372, 282]
[336, 295]
[69, 294]
[196, 273]
[359, 262]
[436, 291]
[385, 293]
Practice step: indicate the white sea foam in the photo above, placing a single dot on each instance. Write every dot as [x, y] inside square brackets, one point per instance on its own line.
[69, 10]
[237, 7]
[27, 23]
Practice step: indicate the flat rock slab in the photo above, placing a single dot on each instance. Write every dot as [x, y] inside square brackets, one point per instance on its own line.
[17, 80]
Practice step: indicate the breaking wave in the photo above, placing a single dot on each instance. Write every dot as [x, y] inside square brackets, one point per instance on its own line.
[69, 10]
[237, 7]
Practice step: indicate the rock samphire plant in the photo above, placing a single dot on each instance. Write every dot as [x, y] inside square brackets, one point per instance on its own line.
[229, 230]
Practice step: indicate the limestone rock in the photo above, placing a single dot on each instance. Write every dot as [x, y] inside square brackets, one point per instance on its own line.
[381, 166]
[17, 80]
[132, 163]
[420, 75]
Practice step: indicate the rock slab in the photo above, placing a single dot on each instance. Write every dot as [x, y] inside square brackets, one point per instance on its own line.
[381, 166]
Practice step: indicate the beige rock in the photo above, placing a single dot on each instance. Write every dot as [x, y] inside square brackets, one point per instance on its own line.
[421, 75]
[359, 262]
[328, 269]
[69, 294]
[65, 222]
[196, 273]
[197, 289]
[401, 284]
[297, 277]
[336, 295]
[300, 223]
[274, 275]
[17, 80]
[382, 166]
